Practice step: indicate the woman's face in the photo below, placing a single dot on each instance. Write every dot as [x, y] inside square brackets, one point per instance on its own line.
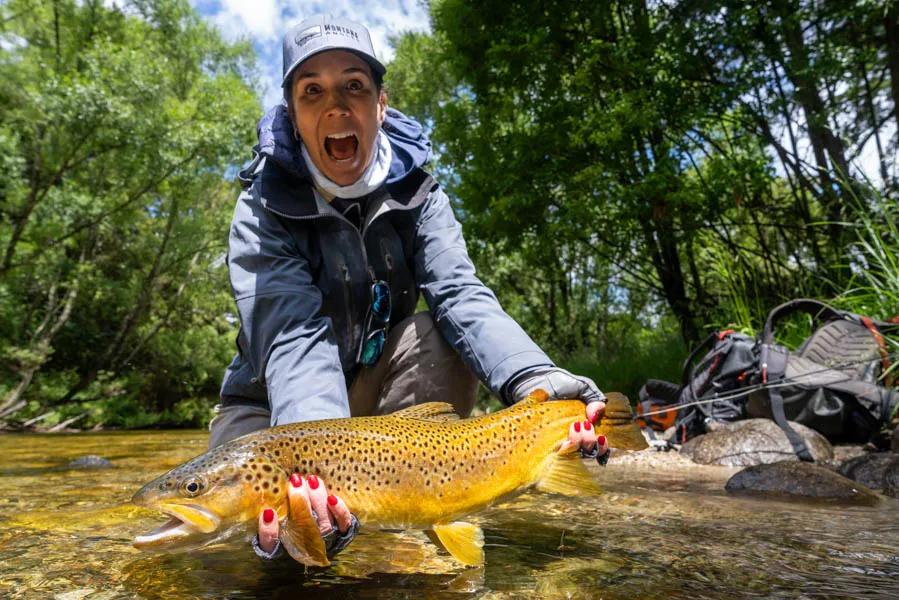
[337, 112]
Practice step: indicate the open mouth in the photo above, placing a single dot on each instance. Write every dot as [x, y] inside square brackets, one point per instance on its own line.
[341, 146]
[186, 521]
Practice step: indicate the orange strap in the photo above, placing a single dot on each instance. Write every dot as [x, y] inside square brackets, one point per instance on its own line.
[881, 346]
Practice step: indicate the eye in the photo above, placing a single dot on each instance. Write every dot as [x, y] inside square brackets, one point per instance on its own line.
[192, 487]
[354, 85]
[312, 89]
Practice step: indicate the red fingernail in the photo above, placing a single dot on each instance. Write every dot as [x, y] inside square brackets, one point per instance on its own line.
[601, 440]
[296, 480]
[268, 515]
[332, 500]
[586, 425]
[577, 425]
[313, 481]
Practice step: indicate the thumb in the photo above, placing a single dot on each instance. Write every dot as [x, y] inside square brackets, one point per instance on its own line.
[268, 529]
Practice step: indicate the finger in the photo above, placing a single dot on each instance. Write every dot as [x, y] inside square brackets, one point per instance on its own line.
[576, 433]
[318, 498]
[595, 411]
[339, 511]
[603, 444]
[268, 529]
[588, 435]
[298, 490]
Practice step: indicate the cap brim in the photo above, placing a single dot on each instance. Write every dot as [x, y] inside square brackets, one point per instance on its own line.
[375, 64]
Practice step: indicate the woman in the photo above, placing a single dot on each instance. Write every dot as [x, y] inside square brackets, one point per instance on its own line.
[337, 232]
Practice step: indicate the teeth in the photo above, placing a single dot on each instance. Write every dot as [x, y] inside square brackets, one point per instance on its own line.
[340, 136]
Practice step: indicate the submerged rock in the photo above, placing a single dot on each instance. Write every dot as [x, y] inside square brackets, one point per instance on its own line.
[89, 461]
[869, 469]
[891, 481]
[753, 442]
[799, 480]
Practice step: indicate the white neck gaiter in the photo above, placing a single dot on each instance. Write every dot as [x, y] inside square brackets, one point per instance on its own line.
[374, 176]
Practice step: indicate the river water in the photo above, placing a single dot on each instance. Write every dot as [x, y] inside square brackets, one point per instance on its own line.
[654, 533]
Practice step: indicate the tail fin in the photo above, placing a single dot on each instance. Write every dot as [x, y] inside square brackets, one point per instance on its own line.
[618, 424]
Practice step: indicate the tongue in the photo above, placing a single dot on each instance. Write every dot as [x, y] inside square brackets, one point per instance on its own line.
[343, 148]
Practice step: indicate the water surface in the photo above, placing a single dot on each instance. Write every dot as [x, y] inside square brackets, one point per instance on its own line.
[653, 534]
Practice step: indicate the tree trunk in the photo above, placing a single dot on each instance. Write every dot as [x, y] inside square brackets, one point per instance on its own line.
[891, 26]
[42, 344]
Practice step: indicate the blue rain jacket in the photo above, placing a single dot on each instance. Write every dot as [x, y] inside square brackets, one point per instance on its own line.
[301, 276]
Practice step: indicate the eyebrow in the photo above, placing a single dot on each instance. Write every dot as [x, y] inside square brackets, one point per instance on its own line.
[311, 74]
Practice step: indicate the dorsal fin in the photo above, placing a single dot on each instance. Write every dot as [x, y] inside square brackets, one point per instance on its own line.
[535, 397]
[429, 411]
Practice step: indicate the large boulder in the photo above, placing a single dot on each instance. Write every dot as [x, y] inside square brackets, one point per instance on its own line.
[753, 442]
[799, 480]
[869, 469]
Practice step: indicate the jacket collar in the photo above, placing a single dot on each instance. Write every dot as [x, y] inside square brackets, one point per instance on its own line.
[283, 182]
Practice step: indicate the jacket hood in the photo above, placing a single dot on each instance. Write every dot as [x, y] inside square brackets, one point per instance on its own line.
[411, 147]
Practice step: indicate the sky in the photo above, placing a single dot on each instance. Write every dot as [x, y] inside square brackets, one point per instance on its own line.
[264, 22]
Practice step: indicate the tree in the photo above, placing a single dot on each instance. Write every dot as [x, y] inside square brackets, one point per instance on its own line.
[118, 126]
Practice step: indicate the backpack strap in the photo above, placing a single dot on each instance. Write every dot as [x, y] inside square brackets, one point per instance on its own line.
[817, 309]
[773, 361]
[869, 323]
[688, 368]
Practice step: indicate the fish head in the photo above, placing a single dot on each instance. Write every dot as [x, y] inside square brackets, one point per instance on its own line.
[208, 496]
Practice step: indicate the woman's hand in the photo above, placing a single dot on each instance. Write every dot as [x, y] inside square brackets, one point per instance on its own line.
[582, 434]
[335, 522]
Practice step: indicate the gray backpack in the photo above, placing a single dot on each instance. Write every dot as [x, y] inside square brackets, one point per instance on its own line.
[837, 382]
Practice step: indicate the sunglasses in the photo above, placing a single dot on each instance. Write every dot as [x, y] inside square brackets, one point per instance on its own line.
[376, 323]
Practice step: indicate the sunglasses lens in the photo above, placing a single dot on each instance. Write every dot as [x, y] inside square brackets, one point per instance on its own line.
[380, 301]
[373, 348]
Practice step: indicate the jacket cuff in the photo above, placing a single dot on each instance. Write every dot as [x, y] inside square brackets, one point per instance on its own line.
[514, 367]
[275, 553]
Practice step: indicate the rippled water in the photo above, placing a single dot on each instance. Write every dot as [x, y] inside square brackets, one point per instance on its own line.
[653, 534]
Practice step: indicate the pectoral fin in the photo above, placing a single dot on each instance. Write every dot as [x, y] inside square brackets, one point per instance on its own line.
[301, 537]
[567, 475]
[464, 542]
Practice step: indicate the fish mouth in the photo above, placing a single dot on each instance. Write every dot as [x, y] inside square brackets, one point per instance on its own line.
[187, 521]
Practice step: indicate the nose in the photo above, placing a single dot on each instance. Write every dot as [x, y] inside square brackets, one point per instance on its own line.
[337, 106]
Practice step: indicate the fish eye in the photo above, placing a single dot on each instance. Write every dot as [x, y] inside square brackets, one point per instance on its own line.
[192, 487]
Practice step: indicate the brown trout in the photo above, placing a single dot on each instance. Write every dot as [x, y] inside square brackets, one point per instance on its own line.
[419, 468]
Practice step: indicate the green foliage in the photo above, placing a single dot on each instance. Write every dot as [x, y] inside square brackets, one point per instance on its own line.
[649, 158]
[118, 127]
